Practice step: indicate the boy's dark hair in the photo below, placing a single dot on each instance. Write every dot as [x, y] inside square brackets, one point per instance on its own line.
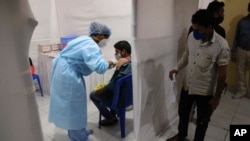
[123, 45]
[202, 17]
[215, 6]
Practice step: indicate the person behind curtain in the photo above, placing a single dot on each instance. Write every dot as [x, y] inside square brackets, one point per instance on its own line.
[206, 57]
[216, 8]
[105, 94]
[81, 57]
[241, 53]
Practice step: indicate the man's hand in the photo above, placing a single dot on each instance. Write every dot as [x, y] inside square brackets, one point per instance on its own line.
[171, 73]
[214, 102]
[222, 71]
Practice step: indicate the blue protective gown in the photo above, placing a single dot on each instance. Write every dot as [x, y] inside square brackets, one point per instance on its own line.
[68, 105]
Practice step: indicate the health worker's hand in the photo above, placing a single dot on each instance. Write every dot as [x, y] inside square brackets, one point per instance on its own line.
[112, 64]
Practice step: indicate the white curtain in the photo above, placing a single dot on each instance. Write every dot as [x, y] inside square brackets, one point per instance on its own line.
[160, 30]
[61, 17]
[19, 118]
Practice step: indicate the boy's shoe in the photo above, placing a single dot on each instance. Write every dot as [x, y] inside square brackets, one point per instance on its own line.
[108, 122]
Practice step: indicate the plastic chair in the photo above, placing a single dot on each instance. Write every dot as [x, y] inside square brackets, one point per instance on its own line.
[123, 97]
[36, 76]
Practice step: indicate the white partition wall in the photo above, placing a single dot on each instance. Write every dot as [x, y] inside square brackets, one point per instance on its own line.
[19, 120]
[160, 30]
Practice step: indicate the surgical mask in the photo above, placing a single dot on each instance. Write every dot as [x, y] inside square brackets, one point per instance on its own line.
[198, 35]
[118, 56]
[103, 43]
[219, 20]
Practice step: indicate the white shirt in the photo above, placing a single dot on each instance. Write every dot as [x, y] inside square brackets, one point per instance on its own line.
[202, 61]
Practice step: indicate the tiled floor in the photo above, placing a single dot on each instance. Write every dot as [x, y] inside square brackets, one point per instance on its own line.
[229, 112]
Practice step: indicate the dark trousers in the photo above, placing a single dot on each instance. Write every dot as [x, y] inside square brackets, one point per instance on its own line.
[204, 113]
[106, 113]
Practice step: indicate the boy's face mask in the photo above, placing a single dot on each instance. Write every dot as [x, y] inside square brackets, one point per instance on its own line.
[118, 56]
[198, 35]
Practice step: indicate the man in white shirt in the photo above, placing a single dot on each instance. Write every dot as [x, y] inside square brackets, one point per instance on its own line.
[206, 58]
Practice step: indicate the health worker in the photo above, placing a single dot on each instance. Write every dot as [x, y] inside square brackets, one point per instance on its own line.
[81, 57]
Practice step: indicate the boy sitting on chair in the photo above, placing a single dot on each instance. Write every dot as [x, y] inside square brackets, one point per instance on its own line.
[105, 94]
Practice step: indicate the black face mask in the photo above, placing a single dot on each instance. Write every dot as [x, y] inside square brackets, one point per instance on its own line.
[219, 20]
